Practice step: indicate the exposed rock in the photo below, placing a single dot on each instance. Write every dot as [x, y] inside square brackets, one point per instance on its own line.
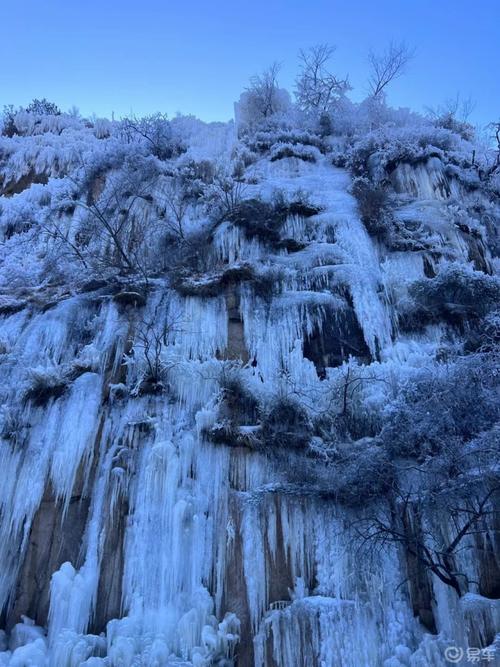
[339, 338]
[55, 538]
[130, 298]
[14, 187]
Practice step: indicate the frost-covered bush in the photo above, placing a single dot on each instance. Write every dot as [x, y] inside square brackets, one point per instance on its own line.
[45, 384]
[7, 124]
[23, 121]
[237, 413]
[212, 284]
[155, 133]
[449, 122]
[361, 473]
[32, 159]
[286, 425]
[33, 227]
[485, 336]
[223, 191]
[349, 121]
[195, 172]
[243, 156]
[262, 100]
[373, 206]
[443, 408]
[278, 133]
[379, 151]
[30, 124]
[259, 219]
[11, 424]
[43, 108]
[283, 150]
[102, 128]
[250, 109]
[456, 293]
[238, 402]
[325, 125]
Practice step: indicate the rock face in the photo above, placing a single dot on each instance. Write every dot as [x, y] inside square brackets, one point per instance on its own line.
[188, 452]
[55, 538]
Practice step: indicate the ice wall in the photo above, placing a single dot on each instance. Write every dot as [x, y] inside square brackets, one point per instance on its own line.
[186, 552]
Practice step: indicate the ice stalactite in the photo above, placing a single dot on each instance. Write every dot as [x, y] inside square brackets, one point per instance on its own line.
[425, 180]
[275, 332]
[231, 245]
[76, 435]
[175, 512]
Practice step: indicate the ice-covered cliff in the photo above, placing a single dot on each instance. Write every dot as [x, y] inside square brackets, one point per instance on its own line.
[230, 367]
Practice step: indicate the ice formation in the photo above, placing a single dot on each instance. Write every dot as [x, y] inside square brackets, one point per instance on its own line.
[163, 547]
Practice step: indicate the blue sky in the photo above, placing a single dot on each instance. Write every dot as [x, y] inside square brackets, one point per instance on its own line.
[196, 57]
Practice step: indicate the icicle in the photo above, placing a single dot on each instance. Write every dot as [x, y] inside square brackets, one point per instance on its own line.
[72, 592]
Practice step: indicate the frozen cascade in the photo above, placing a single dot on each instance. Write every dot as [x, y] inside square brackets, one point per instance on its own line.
[330, 188]
[274, 334]
[177, 550]
[425, 180]
[364, 272]
[231, 245]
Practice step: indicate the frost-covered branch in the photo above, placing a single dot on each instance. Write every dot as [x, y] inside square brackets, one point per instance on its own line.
[264, 88]
[317, 89]
[388, 66]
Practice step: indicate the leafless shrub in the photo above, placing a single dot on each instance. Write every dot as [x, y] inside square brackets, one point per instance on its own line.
[224, 193]
[153, 337]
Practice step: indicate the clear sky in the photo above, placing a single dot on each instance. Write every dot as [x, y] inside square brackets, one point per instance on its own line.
[196, 57]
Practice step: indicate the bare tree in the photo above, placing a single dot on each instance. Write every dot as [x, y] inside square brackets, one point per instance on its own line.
[387, 66]
[401, 523]
[495, 128]
[99, 223]
[176, 203]
[264, 89]
[153, 337]
[156, 131]
[115, 231]
[225, 192]
[438, 507]
[455, 107]
[337, 399]
[317, 89]
[467, 107]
